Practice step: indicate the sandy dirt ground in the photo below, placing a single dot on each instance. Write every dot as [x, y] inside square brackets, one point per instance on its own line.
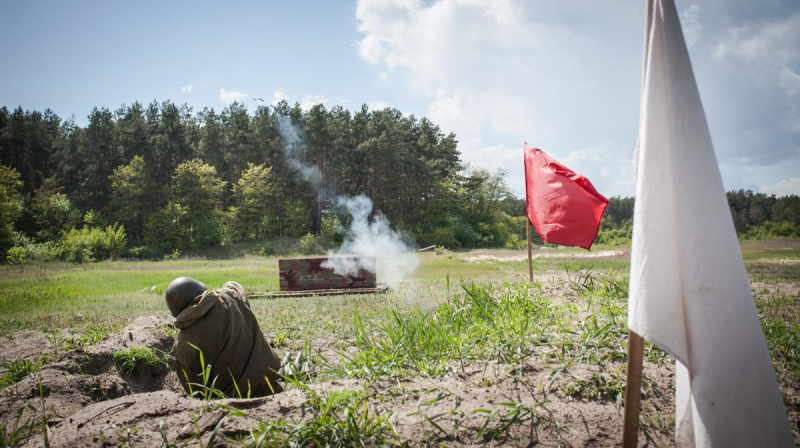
[88, 402]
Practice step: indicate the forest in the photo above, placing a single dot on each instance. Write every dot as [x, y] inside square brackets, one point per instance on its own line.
[159, 180]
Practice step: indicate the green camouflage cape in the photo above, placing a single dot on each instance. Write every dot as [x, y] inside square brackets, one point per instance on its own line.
[221, 324]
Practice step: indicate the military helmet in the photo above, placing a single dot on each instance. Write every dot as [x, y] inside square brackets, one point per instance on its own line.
[181, 292]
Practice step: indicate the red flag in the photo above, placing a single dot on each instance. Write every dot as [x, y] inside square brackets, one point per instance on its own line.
[563, 206]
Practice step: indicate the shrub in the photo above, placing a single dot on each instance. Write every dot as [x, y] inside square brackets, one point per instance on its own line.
[308, 244]
[206, 233]
[513, 243]
[263, 250]
[331, 226]
[115, 240]
[166, 229]
[615, 237]
[16, 255]
[769, 229]
[86, 244]
[140, 252]
[444, 236]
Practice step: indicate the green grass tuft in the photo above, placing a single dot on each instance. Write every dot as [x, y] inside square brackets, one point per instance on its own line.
[136, 359]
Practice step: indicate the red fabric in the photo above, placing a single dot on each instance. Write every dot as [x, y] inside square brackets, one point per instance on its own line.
[563, 206]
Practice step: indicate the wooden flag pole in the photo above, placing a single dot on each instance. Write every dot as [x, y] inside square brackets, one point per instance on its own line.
[633, 391]
[530, 255]
[633, 383]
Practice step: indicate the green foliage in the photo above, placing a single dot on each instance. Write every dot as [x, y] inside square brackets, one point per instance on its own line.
[481, 323]
[26, 250]
[255, 197]
[513, 243]
[783, 339]
[333, 419]
[753, 210]
[167, 229]
[444, 236]
[205, 232]
[772, 230]
[16, 370]
[308, 244]
[52, 211]
[129, 195]
[296, 219]
[86, 244]
[235, 178]
[197, 186]
[10, 205]
[115, 240]
[615, 237]
[331, 227]
[136, 359]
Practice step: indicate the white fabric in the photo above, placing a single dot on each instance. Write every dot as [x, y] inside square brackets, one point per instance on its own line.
[689, 291]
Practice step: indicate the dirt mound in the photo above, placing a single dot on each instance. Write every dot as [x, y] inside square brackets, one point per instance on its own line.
[464, 408]
[81, 377]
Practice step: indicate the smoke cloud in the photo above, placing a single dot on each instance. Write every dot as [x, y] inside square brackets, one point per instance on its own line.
[374, 238]
[292, 141]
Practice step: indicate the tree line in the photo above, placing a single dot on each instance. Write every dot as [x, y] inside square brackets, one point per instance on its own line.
[175, 180]
[155, 180]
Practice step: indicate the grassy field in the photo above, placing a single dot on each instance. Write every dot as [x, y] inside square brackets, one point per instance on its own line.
[461, 315]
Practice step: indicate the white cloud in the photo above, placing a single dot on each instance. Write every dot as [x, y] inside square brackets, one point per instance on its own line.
[690, 22]
[783, 188]
[772, 47]
[773, 44]
[566, 77]
[500, 72]
[790, 81]
[378, 105]
[188, 88]
[310, 101]
[277, 97]
[228, 97]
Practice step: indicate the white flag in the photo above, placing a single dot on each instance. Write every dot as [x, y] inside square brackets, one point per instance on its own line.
[689, 292]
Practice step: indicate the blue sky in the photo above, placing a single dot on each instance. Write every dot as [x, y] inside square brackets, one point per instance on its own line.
[564, 76]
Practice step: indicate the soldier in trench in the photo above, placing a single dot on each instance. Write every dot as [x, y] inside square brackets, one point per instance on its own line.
[221, 324]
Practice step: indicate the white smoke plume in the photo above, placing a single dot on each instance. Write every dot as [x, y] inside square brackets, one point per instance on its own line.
[291, 139]
[372, 238]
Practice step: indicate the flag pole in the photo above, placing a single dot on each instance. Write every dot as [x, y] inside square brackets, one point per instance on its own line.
[633, 382]
[530, 256]
[633, 391]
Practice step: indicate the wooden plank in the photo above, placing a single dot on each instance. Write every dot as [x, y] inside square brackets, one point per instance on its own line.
[380, 289]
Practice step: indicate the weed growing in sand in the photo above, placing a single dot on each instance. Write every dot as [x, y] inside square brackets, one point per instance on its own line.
[135, 359]
[93, 333]
[333, 419]
[18, 430]
[20, 368]
[280, 339]
[606, 385]
[500, 419]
